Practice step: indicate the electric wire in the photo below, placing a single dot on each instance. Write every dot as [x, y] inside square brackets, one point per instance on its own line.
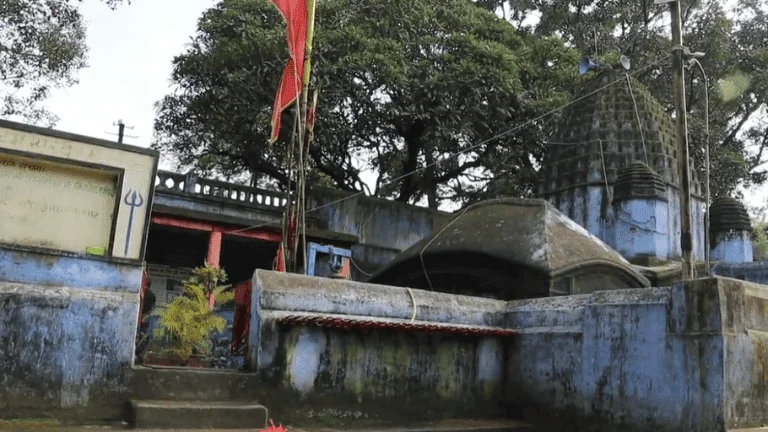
[421, 254]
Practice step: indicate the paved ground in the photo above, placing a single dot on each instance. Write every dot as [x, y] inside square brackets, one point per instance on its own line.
[449, 426]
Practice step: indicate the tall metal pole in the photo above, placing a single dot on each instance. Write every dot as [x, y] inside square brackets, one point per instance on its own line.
[706, 161]
[683, 161]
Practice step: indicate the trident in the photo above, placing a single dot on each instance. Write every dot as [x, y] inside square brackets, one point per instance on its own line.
[135, 202]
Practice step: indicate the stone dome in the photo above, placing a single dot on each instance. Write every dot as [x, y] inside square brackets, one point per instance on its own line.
[599, 133]
[728, 214]
[638, 181]
[518, 247]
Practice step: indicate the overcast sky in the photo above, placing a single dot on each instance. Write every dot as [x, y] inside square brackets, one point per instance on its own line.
[130, 56]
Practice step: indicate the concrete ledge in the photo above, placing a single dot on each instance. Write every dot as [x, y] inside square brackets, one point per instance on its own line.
[290, 292]
[198, 415]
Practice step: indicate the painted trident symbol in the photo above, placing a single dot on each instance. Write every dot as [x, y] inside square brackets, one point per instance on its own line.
[136, 201]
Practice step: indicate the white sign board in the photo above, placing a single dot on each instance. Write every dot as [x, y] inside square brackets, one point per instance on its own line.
[55, 206]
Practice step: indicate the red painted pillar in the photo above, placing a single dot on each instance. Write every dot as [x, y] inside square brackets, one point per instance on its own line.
[214, 249]
[214, 256]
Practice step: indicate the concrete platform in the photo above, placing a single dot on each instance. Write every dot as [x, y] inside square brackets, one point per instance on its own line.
[198, 415]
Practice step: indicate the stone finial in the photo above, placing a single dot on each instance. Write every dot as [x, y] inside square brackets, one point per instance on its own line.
[728, 214]
[638, 181]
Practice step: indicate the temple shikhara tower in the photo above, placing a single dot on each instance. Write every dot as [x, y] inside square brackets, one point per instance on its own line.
[612, 167]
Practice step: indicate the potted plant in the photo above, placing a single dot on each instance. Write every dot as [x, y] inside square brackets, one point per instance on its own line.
[185, 326]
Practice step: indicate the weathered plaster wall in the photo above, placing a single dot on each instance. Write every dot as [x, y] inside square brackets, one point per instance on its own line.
[384, 227]
[744, 308]
[691, 357]
[590, 207]
[350, 373]
[733, 247]
[641, 228]
[755, 271]
[378, 222]
[66, 335]
[647, 359]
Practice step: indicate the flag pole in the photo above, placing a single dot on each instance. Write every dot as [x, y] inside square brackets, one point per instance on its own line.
[304, 155]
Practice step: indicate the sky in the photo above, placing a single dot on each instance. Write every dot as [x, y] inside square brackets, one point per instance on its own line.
[130, 55]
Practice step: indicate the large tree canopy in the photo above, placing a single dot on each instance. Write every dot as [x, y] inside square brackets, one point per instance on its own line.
[403, 84]
[731, 33]
[42, 46]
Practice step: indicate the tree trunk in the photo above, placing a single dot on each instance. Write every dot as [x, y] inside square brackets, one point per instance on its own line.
[413, 146]
[429, 179]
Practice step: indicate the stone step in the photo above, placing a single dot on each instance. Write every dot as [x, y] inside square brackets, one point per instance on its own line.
[180, 384]
[163, 414]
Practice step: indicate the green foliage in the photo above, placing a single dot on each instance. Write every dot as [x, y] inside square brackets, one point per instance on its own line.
[403, 83]
[731, 33]
[188, 321]
[760, 241]
[42, 46]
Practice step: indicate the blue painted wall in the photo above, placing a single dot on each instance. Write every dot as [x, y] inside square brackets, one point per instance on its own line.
[640, 228]
[691, 357]
[67, 329]
[732, 247]
[756, 271]
[591, 207]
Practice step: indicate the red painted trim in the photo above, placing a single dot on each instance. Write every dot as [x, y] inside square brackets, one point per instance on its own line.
[176, 222]
[181, 223]
[373, 324]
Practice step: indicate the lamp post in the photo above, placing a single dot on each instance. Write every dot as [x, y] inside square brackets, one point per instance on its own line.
[691, 62]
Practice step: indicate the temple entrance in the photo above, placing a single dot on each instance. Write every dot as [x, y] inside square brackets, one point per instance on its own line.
[175, 248]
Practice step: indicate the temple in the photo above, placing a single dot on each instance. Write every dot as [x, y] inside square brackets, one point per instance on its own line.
[561, 311]
[612, 168]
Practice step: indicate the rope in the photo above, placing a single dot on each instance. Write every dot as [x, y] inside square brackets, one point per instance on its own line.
[358, 268]
[637, 114]
[605, 172]
[493, 138]
[413, 302]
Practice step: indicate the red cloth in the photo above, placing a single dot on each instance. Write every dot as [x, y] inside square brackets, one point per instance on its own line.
[279, 263]
[295, 13]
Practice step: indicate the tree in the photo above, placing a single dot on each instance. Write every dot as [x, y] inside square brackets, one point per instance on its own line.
[403, 83]
[731, 33]
[42, 46]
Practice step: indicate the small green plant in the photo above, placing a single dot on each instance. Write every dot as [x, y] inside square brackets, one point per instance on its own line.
[187, 322]
[760, 241]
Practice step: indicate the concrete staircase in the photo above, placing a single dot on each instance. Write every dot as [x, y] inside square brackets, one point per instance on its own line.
[170, 398]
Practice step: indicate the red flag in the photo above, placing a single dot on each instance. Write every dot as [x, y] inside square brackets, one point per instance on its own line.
[296, 15]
